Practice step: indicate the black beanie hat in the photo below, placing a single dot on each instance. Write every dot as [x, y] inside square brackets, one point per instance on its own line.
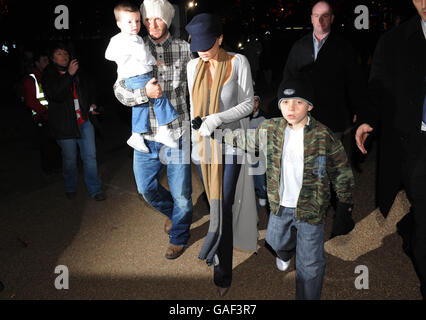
[297, 89]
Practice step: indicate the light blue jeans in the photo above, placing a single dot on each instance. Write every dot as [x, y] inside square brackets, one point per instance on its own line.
[176, 204]
[88, 155]
[287, 236]
[163, 109]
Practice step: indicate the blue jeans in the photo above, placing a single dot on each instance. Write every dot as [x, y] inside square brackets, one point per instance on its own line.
[176, 204]
[287, 236]
[222, 275]
[88, 154]
[163, 109]
[259, 183]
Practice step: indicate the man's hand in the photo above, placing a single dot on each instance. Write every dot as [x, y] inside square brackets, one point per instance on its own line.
[361, 135]
[153, 89]
[73, 67]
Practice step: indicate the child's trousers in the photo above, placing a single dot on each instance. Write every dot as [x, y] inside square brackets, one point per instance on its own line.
[287, 236]
[163, 109]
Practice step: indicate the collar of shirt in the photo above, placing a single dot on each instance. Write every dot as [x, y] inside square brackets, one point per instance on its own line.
[424, 27]
[318, 44]
[165, 43]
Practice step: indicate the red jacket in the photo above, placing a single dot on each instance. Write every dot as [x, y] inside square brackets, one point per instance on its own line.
[30, 98]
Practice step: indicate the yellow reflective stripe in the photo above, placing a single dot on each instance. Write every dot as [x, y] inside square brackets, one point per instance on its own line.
[39, 92]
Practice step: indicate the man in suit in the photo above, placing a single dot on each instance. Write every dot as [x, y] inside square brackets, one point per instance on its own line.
[397, 90]
[329, 61]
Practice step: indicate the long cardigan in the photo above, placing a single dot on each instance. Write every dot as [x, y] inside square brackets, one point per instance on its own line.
[244, 210]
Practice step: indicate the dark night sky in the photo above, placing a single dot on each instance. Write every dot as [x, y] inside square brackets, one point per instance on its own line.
[35, 19]
[29, 24]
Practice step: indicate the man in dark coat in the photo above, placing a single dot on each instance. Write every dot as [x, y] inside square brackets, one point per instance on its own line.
[329, 61]
[397, 89]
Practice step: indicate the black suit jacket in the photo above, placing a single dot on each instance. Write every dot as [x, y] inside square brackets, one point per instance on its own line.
[397, 90]
[339, 89]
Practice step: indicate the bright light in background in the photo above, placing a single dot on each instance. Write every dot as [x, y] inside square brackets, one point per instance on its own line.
[5, 48]
[192, 4]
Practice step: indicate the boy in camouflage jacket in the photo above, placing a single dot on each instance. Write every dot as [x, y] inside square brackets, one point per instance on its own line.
[299, 197]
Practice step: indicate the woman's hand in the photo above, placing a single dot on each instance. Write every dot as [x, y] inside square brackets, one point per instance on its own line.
[196, 123]
[210, 123]
[92, 110]
[73, 67]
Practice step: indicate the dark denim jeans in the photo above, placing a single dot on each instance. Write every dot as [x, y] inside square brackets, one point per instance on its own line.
[163, 109]
[259, 183]
[88, 154]
[223, 271]
[287, 236]
[176, 204]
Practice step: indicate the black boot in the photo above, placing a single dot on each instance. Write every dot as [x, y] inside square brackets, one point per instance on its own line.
[403, 228]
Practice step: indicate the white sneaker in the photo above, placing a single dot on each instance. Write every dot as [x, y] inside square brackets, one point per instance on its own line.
[281, 264]
[262, 202]
[164, 136]
[136, 141]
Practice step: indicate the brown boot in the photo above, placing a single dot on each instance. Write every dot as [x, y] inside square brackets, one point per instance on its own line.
[168, 226]
[174, 252]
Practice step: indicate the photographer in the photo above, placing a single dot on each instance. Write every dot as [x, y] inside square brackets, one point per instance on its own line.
[70, 99]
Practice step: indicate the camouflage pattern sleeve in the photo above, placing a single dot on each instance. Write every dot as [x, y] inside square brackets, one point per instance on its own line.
[340, 171]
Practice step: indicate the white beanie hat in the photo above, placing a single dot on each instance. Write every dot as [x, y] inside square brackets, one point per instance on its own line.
[158, 9]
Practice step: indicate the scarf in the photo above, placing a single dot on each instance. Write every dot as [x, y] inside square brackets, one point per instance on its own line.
[209, 150]
[62, 70]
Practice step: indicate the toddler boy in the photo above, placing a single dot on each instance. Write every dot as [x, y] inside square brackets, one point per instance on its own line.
[134, 64]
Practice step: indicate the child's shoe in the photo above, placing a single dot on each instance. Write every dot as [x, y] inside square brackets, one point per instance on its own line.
[136, 141]
[282, 265]
[164, 136]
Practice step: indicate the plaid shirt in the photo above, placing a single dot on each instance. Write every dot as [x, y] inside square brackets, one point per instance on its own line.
[172, 56]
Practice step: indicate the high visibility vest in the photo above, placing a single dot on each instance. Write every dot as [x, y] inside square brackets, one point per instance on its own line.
[39, 93]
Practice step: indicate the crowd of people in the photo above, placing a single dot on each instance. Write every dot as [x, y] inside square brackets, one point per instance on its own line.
[295, 164]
